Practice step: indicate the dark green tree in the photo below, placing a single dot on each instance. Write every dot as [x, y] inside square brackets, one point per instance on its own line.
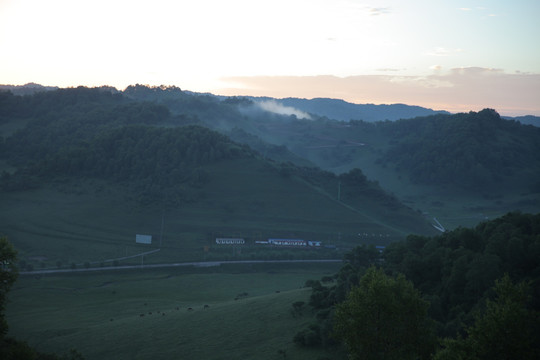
[8, 275]
[508, 329]
[362, 256]
[12, 349]
[297, 307]
[384, 318]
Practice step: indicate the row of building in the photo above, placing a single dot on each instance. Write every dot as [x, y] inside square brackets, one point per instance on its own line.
[274, 242]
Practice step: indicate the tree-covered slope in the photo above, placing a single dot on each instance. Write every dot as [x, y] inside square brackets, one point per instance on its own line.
[84, 143]
[457, 269]
[470, 150]
[460, 168]
[344, 111]
[480, 287]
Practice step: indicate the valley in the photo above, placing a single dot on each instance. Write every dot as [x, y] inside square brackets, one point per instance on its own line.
[84, 171]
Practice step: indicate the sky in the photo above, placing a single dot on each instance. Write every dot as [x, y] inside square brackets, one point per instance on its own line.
[455, 55]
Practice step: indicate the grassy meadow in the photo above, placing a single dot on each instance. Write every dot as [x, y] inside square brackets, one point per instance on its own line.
[90, 221]
[99, 314]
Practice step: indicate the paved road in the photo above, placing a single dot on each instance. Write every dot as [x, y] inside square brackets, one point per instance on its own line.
[196, 264]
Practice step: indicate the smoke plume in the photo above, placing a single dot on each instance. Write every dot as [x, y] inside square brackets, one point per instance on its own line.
[277, 108]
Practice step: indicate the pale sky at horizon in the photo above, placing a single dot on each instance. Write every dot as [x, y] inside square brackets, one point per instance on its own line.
[456, 55]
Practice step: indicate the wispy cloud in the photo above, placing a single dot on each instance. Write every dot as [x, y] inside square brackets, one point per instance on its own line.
[379, 11]
[442, 51]
[480, 9]
[389, 70]
[476, 71]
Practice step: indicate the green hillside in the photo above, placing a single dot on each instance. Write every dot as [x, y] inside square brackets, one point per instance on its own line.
[475, 151]
[460, 168]
[85, 170]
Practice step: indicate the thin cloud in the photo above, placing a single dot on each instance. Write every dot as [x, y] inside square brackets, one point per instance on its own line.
[442, 51]
[476, 9]
[379, 11]
[475, 71]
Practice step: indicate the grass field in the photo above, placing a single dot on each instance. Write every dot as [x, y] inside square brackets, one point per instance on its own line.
[74, 222]
[100, 314]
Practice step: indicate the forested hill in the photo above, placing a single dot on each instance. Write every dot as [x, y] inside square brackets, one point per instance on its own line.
[425, 161]
[469, 150]
[94, 133]
[344, 111]
[466, 278]
[162, 157]
[526, 120]
[155, 162]
[472, 150]
[457, 269]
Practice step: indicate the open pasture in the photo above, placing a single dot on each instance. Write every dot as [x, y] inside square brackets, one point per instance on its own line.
[91, 222]
[231, 312]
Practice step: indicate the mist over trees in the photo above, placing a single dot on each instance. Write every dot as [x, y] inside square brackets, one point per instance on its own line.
[158, 154]
[472, 151]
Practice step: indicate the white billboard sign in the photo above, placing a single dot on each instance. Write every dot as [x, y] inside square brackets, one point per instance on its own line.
[143, 239]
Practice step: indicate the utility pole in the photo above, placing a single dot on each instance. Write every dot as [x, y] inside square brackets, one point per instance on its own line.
[161, 233]
[339, 191]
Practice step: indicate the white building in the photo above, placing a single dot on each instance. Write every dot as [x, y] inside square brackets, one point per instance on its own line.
[287, 242]
[230, 241]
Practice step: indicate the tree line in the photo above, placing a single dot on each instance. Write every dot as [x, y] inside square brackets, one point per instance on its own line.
[97, 134]
[10, 348]
[134, 139]
[471, 150]
[470, 293]
[475, 151]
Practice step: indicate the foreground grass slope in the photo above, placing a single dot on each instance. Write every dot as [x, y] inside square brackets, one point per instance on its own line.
[100, 314]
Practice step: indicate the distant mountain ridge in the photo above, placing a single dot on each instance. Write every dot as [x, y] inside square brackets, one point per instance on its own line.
[526, 120]
[334, 109]
[27, 89]
[341, 110]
